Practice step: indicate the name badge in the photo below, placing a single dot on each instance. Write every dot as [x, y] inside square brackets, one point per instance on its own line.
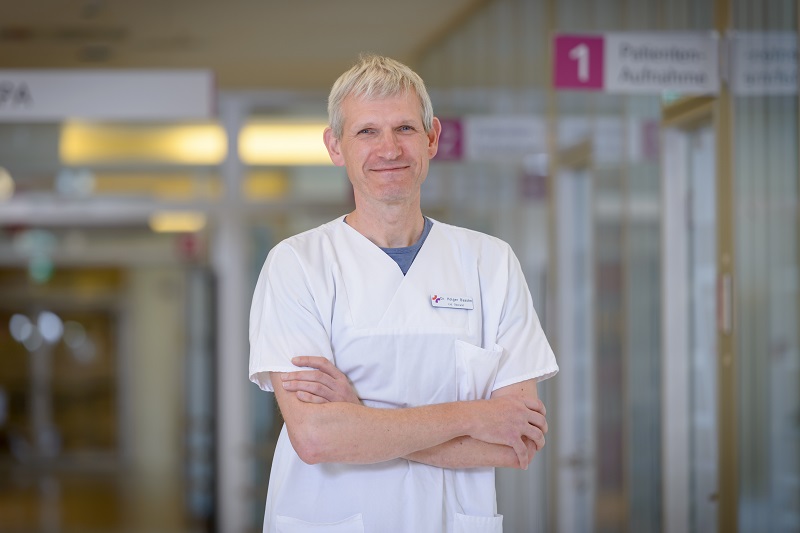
[451, 302]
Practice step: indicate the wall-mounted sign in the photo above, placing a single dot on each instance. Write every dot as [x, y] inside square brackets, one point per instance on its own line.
[451, 140]
[685, 63]
[579, 62]
[763, 63]
[55, 95]
[637, 63]
[504, 138]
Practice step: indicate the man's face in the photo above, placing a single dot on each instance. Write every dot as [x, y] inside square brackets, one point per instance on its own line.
[384, 147]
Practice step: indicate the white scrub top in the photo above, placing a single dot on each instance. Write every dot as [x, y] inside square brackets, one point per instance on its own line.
[332, 292]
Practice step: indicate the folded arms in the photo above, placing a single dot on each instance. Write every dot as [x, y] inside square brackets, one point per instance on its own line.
[327, 423]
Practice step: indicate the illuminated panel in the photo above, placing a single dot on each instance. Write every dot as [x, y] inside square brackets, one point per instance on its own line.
[169, 186]
[6, 185]
[177, 221]
[197, 144]
[260, 143]
[283, 144]
[265, 185]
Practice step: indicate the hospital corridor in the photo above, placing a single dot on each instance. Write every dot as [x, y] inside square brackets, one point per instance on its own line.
[641, 158]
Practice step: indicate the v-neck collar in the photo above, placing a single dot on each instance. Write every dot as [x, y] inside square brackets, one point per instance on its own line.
[375, 248]
[372, 252]
[373, 280]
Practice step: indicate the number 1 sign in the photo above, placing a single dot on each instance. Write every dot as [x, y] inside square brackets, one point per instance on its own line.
[637, 62]
[578, 62]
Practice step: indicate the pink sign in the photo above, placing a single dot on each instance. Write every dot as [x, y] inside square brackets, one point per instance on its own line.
[451, 141]
[533, 186]
[578, 62]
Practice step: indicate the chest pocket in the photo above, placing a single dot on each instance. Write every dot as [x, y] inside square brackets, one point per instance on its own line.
[478, 524]
[476, 370]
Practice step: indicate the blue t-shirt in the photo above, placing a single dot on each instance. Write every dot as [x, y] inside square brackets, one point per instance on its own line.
[405, 256]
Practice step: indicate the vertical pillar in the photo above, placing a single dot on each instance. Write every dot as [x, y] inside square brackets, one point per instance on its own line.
[233, 437]
[675, 359]
[551, 309]
[728, 394]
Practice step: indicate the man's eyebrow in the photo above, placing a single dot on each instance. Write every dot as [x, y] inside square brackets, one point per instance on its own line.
[402, 122]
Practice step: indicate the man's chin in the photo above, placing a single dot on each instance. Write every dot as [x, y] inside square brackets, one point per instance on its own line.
[390, 198]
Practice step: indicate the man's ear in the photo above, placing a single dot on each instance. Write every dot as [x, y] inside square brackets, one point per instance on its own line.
[334, 147]
[433, 138]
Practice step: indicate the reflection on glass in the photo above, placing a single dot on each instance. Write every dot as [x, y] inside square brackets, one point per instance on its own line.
[609, 375]
[50, 326]
[576, 392]
[3, 406]
[766, 313]
[75, 183]
[20, 327]
[58, 417]
[702, 332]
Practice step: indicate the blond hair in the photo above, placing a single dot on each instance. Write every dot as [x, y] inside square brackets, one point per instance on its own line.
[376, 76]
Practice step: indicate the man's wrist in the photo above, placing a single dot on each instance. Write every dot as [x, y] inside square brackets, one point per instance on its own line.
[469, 417]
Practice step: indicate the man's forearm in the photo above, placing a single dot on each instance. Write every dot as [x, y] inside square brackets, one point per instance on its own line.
[342, 432]
[466, 452]
[346, 433]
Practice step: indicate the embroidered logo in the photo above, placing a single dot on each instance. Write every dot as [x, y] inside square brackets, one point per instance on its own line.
[436, 299]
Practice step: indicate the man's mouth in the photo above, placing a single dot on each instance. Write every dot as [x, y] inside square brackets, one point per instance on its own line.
[390, 169]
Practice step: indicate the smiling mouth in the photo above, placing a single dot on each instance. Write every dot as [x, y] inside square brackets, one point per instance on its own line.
[389, 169]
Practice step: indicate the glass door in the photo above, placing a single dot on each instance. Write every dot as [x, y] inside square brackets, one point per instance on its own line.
[107, 330]
[690, 420]
[576, 397]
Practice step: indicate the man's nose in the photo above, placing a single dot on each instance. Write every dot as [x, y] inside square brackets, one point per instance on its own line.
[389, 148]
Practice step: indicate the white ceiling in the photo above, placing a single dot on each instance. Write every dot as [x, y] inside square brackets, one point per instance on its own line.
[265, 44]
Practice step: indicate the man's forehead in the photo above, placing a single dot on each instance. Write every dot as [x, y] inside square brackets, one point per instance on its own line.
[366, 98]
[367, 105]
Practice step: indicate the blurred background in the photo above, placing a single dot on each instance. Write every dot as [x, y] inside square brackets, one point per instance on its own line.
[658, 233]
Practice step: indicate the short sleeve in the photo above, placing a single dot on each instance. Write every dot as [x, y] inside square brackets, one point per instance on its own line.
[285, 321]
[526, 351]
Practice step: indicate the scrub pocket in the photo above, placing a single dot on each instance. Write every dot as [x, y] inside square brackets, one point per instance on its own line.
[478, 524]
[285, 524]
[476, 370]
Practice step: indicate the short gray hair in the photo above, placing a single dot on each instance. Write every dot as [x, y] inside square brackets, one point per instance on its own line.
[376, 76]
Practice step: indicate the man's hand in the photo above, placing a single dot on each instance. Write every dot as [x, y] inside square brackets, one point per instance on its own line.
[325, 384]
[512, 420]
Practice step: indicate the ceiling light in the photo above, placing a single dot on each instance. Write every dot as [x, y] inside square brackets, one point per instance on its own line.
[196, 144]
[6, 185]
[260, 143]
[177, 221]
[272, 143]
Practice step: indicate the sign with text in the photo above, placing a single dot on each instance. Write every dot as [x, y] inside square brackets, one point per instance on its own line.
[647, 63]
[763, 63]
[578, 62]
[451, 140]
[638, 63]
[55, 95]
[493, 138]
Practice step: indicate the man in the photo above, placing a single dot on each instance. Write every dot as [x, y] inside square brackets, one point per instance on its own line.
[419, 342]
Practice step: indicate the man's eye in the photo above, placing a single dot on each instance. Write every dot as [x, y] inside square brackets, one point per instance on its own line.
[406, 128]
[366, 130]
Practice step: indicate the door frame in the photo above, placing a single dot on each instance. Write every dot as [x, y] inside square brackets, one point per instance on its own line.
[573, 459]
[687, 114]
